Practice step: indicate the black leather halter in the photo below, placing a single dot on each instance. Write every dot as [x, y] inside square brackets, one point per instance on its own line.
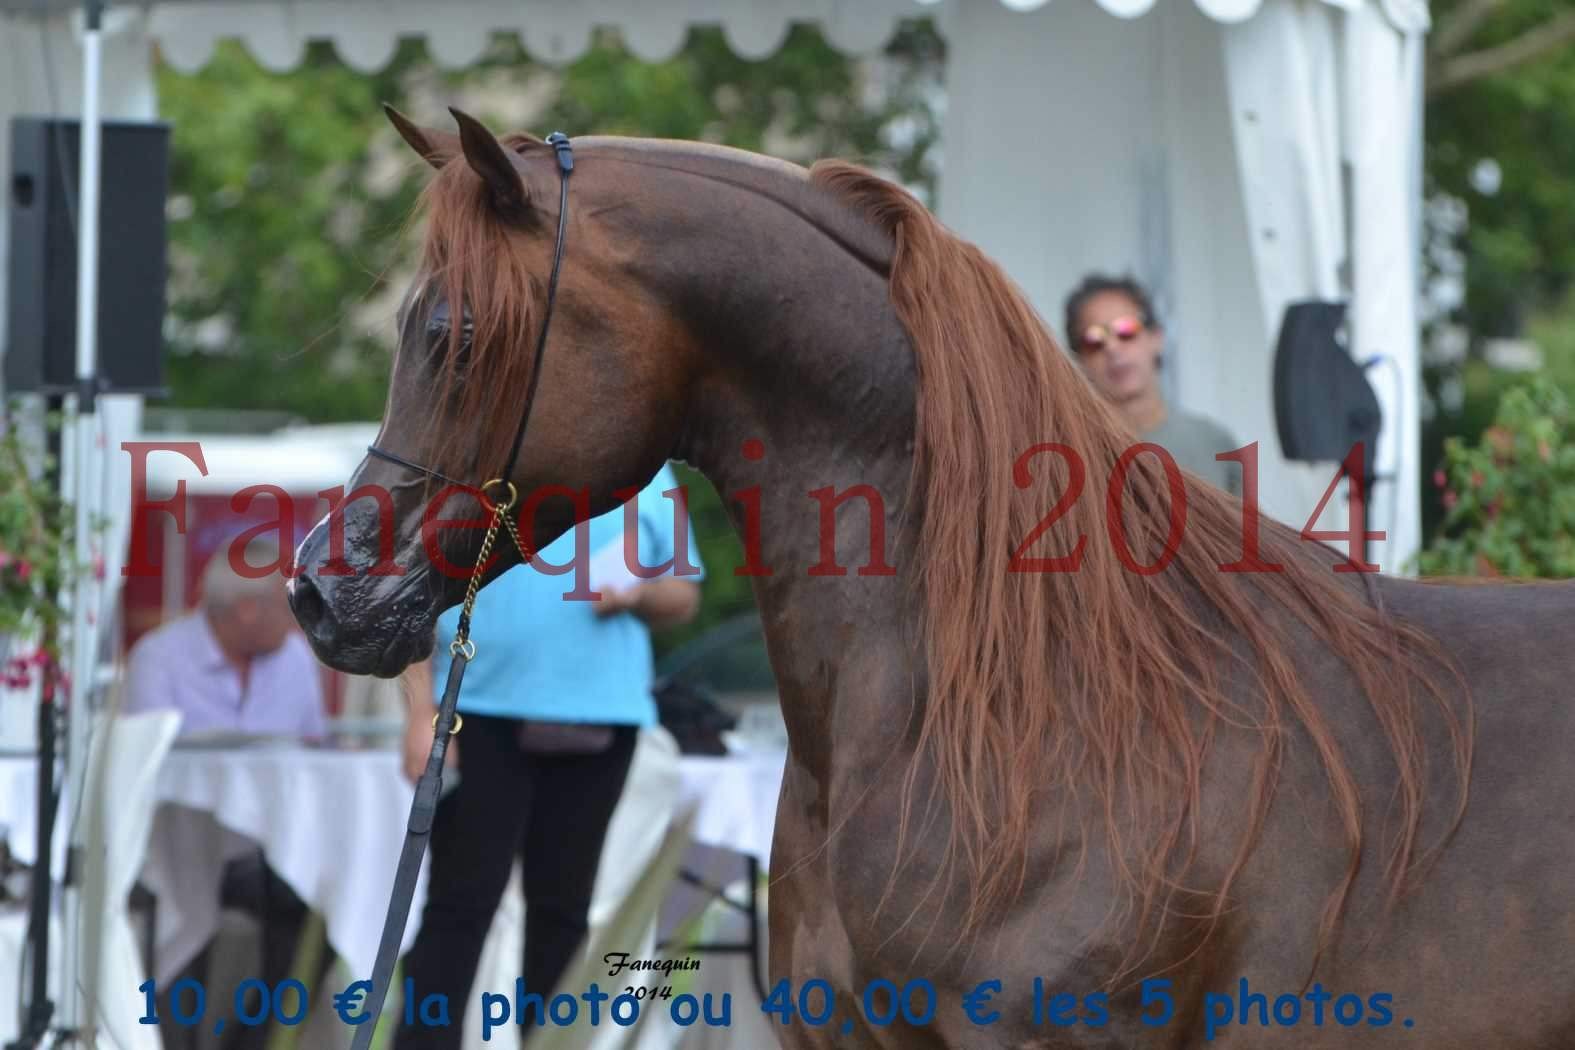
[565, 153]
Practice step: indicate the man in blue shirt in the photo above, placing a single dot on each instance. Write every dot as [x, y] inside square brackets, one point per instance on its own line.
[552, 703]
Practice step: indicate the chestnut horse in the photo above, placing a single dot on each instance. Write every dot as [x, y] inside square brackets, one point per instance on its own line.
[1151, 770]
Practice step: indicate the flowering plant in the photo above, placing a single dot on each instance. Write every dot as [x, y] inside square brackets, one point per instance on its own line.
[37, 529]
[1510, 498]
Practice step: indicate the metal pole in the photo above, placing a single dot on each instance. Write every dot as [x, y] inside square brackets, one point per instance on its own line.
[84, 635]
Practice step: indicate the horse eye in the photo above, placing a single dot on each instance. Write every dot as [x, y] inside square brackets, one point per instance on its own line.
[438, 333]
[438, 337]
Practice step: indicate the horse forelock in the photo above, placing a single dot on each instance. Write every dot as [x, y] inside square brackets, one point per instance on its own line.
[1101, 683]
[472, 258]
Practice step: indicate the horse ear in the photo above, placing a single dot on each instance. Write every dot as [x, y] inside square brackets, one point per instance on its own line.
[490, 160]
[437, 148]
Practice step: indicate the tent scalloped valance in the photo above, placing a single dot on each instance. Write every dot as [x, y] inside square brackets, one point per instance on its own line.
[365, 33]
[1410, 16]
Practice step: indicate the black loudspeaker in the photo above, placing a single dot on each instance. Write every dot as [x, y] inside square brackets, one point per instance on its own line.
[1323, 403]
[44, 202]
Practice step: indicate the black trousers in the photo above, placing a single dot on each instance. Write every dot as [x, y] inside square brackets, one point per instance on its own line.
[550, 811]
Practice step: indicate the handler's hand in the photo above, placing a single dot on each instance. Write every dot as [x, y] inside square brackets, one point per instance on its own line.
[659, 604]
[418, 745]
[614, 602]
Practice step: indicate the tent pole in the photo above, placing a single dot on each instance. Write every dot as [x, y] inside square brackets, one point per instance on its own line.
[75, 1013]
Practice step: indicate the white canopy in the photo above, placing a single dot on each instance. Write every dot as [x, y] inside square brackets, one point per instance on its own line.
[366, 32]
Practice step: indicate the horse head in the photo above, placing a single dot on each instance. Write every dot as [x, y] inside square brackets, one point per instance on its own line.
[401, 548]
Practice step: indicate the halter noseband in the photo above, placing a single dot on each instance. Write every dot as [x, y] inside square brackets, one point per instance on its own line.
[565, 154]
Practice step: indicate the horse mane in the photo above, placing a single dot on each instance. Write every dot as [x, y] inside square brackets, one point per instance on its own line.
[470, 256]
[1101, 680]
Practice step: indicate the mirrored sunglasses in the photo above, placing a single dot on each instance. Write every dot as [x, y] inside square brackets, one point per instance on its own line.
[1098, 336]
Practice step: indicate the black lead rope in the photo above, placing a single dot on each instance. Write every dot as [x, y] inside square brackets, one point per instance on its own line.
[447, 720]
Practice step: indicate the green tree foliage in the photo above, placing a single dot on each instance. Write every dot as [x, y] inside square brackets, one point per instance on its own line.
[288, 219]
[1500, 141]
[1510, 496]
[1502, 90]
[274, 236]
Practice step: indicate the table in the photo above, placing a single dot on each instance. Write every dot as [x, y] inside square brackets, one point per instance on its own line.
[330, 823]
[341, 861]
[736, 796]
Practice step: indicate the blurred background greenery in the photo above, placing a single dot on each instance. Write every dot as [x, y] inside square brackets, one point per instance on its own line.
[1500, 186]
[288, 238]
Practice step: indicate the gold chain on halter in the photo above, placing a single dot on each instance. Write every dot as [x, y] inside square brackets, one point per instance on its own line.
[462, 643]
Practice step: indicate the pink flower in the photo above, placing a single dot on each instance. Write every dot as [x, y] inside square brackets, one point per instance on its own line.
[24, 569]
[1439, 479]
[5, 559]
[1450, 499]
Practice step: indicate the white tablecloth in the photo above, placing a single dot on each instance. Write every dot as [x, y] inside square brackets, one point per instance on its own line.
[332, 823]
[737, 799]
[19, 811]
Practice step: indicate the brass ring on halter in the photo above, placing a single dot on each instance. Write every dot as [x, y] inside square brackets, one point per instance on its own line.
[459, 720]
[467, 647]
[513, 494]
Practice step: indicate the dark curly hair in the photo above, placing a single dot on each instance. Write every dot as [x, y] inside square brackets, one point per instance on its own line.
[1097, 284]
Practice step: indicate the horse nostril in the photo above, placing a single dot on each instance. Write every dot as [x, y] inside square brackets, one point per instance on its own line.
[306, 601]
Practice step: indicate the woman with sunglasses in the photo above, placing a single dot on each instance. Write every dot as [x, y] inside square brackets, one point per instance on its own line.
[1112, 329]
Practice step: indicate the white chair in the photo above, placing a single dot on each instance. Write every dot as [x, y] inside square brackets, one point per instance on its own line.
[642, 826]
[635, 837]
[731, 975]
[635, 919]
[126, 754]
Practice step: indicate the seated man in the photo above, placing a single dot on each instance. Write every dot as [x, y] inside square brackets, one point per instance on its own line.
[238, 663]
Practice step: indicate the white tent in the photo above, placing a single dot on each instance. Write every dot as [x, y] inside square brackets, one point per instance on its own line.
[1237, 155]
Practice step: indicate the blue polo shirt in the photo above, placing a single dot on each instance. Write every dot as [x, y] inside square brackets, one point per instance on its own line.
[543, 657]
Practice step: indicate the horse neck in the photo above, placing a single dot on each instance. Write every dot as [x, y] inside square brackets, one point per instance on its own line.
[801, 352]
